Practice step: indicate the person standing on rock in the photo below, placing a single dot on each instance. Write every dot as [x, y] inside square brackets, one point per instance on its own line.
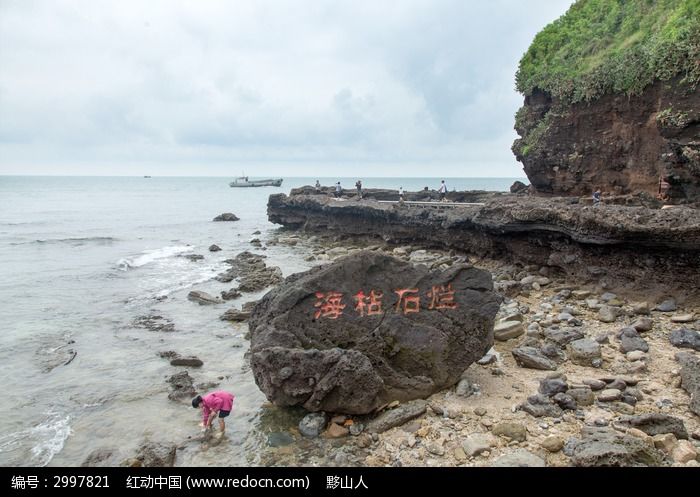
[358, 185]
[401, 194]
[596, 197]
[318, 186]
[338, 190]
[216, 403]
[442, 191]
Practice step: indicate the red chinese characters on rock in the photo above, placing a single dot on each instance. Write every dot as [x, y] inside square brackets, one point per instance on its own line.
[442, 297]
[368, 305]
[411, 302]
[330, 304]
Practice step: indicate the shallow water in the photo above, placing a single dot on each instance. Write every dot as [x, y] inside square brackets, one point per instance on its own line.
[81, 259]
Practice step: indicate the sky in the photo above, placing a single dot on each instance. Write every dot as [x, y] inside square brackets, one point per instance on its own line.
[410, 88]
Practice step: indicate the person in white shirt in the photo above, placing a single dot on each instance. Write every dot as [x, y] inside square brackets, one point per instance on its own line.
[442, 190]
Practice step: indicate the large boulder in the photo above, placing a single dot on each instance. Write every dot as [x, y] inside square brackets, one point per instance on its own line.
[369, 329]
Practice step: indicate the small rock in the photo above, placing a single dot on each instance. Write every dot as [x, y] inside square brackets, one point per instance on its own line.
[552, 386]
[226, 216]
[479, 411]
[594, 384]
[552, 443]
[640, 308]
[686, 339]
[202, 298]
[642, 324]
[665, 442]
[477, 443]
[531, 357]
[565, 401]
[584, 352]
[313, 424]
[336, 431]
[668, 305]
[582, 396]
[608, 314]
[520, 458]
[464, 388]
[630, 340]
[214, 248]
[684, 452]
[683, 318]
[636, 355]
[506, 330]
[514, 431]
[191, 361]
[609, 395]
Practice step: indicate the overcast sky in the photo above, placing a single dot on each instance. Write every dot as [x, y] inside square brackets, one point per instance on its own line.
[292, 88]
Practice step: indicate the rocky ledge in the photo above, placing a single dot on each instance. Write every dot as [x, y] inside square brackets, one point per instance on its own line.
[626, 243]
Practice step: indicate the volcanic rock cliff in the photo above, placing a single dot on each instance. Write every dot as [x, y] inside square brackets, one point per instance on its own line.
[612, 100]
[625, 242]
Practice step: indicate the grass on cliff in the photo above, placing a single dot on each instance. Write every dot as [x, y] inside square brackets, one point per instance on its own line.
[611, 46]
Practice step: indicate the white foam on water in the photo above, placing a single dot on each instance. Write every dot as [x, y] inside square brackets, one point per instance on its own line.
[152, 255]
[47, 438]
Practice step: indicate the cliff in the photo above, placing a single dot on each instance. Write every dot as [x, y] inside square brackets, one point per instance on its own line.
[628, 243]
[612, 101]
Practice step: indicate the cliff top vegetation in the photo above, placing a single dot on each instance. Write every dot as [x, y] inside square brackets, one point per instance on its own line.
[611, 46]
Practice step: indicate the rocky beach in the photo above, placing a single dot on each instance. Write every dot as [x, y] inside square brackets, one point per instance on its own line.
[586, 369]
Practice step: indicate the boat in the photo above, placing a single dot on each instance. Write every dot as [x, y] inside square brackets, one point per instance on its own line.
[242, 181]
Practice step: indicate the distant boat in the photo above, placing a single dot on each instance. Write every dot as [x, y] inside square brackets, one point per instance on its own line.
[243, 182]
[146, 176]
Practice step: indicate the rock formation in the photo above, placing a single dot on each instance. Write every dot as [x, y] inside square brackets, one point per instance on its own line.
[370, 329]
[627, 243]
[612, 100]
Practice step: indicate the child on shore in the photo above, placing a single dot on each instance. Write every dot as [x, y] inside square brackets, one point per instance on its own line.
[220, 402]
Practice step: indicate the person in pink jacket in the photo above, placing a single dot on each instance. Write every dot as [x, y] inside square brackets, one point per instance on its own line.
[220, 403]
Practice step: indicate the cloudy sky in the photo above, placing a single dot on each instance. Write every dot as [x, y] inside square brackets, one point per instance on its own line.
[294, 88]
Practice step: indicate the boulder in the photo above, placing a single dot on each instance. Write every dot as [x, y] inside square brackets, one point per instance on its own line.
[226, 216]
[155, 455]
[369, 329]
[656, 424]
[606, 447]
[585, 352]
[690, 378]
[202, 298]
[182, 386]
[214, 248]
[685, 339]
[533, 358]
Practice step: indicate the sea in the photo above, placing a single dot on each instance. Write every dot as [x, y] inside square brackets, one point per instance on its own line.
[82, 261]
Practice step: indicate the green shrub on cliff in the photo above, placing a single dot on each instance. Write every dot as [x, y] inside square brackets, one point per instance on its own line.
[610, 46]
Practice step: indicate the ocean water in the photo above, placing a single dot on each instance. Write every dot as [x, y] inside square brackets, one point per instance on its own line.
[81, 258]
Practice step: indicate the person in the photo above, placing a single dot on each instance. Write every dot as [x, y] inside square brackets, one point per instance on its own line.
[358, 185]
[338, 190]
[596, 197]
[318, 186]
[401, 194]
[216, 403]
[442, 190]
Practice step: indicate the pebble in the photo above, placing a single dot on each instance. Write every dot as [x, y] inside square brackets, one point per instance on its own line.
[636, 355]
[683, 318]
[609, 395]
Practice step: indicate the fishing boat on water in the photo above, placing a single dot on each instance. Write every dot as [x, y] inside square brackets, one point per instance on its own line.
[242, 181]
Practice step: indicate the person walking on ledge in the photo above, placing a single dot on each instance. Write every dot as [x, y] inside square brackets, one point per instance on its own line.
[442, 191]
[358, 185]
[220, 402]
